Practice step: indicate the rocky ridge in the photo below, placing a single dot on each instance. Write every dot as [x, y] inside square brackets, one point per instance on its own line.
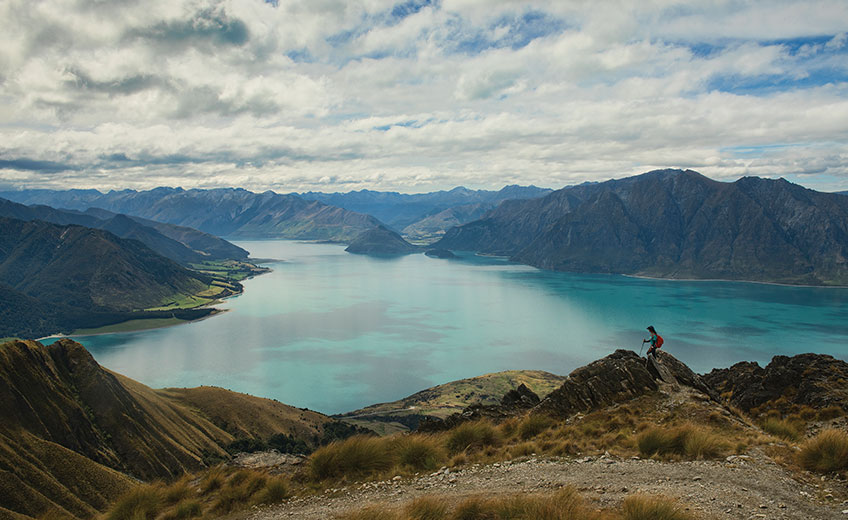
[814, 380]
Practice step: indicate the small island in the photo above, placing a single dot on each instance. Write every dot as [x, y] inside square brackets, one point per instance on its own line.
[439, 253]
[381, 241]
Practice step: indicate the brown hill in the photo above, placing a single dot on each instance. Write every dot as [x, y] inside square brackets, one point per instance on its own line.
[70, 430]
[246, 416]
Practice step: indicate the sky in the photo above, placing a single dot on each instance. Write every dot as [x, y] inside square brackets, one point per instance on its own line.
[418, 95]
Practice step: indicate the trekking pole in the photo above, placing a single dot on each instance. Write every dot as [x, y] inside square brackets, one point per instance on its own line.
[642, 348]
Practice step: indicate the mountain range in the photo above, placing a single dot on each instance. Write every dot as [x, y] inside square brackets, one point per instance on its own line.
[225, 212]
[420, 213]
[181, 244]
[673, 224]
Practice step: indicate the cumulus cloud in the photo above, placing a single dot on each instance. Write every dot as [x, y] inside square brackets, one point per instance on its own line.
[417, 95]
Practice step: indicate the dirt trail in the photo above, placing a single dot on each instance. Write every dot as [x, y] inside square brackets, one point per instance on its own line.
[743, 488]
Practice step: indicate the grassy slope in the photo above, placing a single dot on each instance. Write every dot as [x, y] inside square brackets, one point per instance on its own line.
[443, 400]
[245, 416]
[64, 419]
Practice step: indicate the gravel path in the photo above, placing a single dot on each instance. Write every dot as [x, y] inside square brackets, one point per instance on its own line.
[740, 487]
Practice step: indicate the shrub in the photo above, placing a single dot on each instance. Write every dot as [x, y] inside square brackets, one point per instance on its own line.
[782, 428]
[533, 425]
[652, 508]
[356, 456]
[826, 452]
[275, 491]
[418, 452]
[472, 435]
[141, 503]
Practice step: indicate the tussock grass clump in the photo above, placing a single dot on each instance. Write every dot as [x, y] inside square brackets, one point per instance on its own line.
[426, 508]
[213, 480]
[376, 512]
[472, 435]
[184, 510]
[524, 449]
[826, 452]
[782, 428]
[533, 425]
[831, 412]
[687, 441]
[565, 504]
[356, 456]
[56, 514]
[176, 492]
[418, 452]
[276, 490]
[230, 498]
[639, 507]
[142, 503]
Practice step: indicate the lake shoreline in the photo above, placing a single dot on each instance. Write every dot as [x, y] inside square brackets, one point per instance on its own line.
[117, 329]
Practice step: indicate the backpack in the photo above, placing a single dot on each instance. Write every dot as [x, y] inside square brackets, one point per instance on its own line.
[659, 341]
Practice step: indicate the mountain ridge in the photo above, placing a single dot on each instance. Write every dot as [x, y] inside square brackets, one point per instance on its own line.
[180, 244]
[673, 224]
[233, 212]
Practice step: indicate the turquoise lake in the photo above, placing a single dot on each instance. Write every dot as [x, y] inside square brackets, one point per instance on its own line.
[334, 332]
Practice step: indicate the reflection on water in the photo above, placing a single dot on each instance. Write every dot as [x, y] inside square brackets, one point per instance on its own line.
[333, 331]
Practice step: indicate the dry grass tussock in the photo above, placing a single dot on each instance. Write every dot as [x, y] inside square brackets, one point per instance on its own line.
[785, 429]
[826, 452]
[642, 507]
[687, 441]
[217, 492]
[643, 426]
[565, 504]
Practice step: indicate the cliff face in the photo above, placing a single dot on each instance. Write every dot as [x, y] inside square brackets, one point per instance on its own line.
[674, 224]
[814, 380]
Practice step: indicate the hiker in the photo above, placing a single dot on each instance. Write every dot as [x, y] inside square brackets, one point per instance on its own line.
[655, 339]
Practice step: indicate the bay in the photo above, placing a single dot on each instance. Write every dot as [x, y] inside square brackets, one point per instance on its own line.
[334, 332]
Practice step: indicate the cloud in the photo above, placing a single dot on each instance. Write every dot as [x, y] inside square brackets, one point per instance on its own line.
[418, 95]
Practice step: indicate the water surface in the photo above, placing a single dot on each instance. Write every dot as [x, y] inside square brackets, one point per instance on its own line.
[333, 331]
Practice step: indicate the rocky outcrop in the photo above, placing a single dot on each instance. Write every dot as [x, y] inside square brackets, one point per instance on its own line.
[814, 380]
[381, 241]
[619, 377]
[514, 402]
